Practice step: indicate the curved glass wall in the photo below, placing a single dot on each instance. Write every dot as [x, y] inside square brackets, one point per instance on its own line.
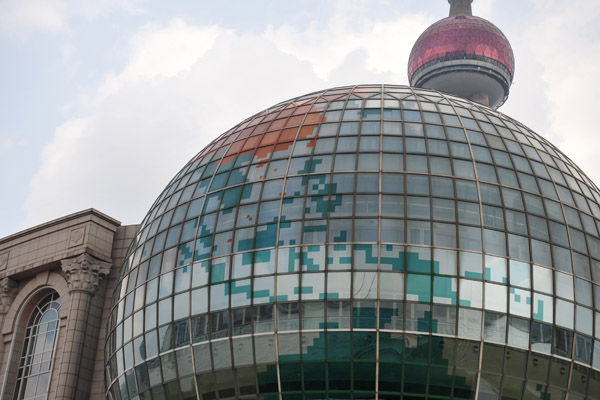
[35, 366]
[365, 242]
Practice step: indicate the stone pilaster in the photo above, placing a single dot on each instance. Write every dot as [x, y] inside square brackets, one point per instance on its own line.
[84, 276]
[8, 292]
[84, 273]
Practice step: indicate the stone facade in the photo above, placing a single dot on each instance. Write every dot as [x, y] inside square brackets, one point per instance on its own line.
[77, 256]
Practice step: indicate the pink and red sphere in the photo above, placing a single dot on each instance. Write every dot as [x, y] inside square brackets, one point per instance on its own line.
[461, 37]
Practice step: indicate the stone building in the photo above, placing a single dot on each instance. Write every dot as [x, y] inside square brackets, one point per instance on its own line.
[56, 282]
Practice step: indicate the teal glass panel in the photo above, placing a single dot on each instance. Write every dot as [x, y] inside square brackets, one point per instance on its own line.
[418, 259]
[288, 287]
[267, 380]
[418, 317]
[266, 236]
[263, 291]
[338, 315]
[313, 258]
[313, 286]
[339, 257]
[289, 233]
[471, 265]
[444, 290]
[391, 315]
[365, 256]
[338, 345]
[313, 317]
[288, 259]
[364, 315]
[520, 302]
[241, 293]
[415, 379]
[314, 232]
[392, 258]
[219, 296]
[200, 272]
[440, 381]
[317, 207]
[292, 209]
[242, 265]
[391, 347]
[264, 262]
[219, 270]
[289, 346]
[542, 308]
[418, 288]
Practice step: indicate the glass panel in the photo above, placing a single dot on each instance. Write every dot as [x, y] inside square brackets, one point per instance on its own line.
[495, 297]
[542, 279]
[38, 346]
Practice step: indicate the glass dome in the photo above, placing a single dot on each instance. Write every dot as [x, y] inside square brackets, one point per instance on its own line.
[365, 242]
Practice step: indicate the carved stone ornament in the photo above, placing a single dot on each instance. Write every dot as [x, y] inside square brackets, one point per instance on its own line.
[3, 261]
[84, 273]
[8, 292]
[76, 236]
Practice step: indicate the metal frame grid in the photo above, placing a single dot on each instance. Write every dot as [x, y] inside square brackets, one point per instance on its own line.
[37, 358]
[341, 237]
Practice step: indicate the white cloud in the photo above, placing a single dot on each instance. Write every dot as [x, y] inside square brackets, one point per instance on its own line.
[119, 157]
[145, 121]
[158, 51]
[563, 54]
[387, 43]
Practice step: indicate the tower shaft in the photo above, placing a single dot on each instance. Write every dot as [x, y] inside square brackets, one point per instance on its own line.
[460, 7]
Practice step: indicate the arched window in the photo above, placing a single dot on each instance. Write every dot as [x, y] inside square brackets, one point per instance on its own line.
[35, 365]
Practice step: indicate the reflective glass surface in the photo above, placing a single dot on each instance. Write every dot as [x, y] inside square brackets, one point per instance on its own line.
[37, 357]
[364, 242]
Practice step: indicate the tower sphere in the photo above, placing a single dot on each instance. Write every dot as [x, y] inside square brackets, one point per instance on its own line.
[464, 55]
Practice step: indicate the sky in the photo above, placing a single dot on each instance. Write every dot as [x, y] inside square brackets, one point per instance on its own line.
[103, 101]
